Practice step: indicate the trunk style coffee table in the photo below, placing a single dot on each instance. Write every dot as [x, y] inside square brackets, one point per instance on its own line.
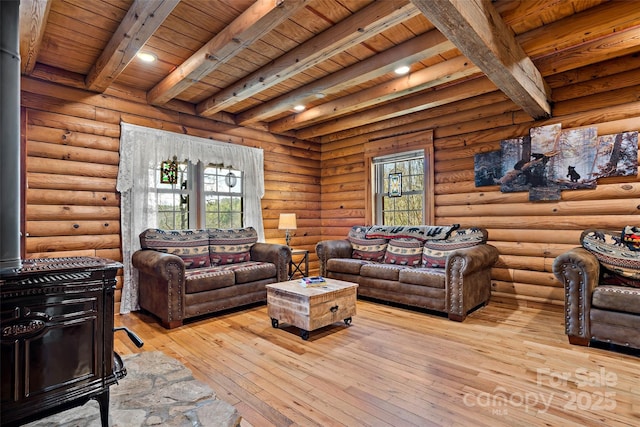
[312, 307]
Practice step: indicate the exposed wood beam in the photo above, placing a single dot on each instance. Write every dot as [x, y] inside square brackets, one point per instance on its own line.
[141, 21]
[373, 19]
[419, 102]
[33, 20]
[444, 72]
[418, 48]
[260, 18]
[477, 29]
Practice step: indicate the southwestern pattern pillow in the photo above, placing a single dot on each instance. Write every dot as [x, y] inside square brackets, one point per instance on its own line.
[404, 252]
[358, 232]
[631, 237]
[613, 254]
[368, 249]
[435, 252]
[420, 232]
[190, 245]
[231, 246]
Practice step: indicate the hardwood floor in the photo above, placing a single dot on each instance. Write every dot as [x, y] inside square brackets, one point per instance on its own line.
[505, 365]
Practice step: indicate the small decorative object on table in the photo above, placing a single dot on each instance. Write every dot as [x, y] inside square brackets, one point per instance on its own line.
[308, 282]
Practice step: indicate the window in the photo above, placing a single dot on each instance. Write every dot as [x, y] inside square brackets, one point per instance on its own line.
[399, 189]
[202, 197]
[394, 199]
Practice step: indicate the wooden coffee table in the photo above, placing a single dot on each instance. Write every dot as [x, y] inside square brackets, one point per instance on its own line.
[313, 307]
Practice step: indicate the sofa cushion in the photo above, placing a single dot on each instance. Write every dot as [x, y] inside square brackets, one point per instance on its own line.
[231, 246]
[435, 252]
[432, 277]
[420, 232]
[368, 249]
[617, 298]
[382, 271]
[190, 245]
[613, 254]
[251, 271]
[346, 265]
[404, 252]
[207, 279]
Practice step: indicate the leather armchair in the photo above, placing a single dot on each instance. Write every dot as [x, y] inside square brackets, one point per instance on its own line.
[595, 311]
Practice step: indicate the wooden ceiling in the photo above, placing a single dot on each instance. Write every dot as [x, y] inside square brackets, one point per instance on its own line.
[249, 62]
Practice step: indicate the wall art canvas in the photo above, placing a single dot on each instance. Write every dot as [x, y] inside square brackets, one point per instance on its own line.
[487, 168]
[550, 160]
[571, 168]
[513, 152]
[617, 155]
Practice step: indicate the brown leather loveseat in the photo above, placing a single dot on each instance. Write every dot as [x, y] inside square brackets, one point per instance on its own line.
[602, 287]
[189, 273]
[440, 268]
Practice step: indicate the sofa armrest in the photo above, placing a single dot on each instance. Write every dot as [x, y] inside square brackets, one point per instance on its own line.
[327, 249]
[468, 279]
[579, 271]
[161, 286]
[159, 264]
[280, 255]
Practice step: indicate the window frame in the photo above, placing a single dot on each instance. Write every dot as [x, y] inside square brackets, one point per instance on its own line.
[378, 164]
[197, 195]
[422, 140]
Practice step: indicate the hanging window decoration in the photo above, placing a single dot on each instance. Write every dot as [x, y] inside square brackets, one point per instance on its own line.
[169, 171]
[395, 185]
[231, 179]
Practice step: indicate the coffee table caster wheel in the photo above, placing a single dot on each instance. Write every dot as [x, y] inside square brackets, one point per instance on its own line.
[274, 322]
[304, 335]
[347, 321]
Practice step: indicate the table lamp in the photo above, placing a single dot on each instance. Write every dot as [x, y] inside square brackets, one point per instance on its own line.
[287, 222]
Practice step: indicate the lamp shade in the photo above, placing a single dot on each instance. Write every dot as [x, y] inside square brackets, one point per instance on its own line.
[287, 221]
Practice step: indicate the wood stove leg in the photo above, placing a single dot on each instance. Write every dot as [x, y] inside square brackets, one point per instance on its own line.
[103, 402]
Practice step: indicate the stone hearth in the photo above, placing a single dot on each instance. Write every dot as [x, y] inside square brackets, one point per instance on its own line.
[157, 391]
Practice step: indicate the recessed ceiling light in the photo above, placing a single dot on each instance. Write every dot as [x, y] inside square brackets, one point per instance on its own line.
[299, 108]
[146, 56]
[402, 70]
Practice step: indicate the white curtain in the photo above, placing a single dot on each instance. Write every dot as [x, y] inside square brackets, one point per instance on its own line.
[141, 150]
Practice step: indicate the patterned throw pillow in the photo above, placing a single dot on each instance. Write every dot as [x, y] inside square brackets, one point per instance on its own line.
[368, 249]
[613, 254]
[631, 237]
[435, 252]
[358, 232]
[231, 246]
[190, 245]
[420, 232]
[404, 252]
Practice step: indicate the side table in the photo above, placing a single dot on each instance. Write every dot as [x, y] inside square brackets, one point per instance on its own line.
[299, 261]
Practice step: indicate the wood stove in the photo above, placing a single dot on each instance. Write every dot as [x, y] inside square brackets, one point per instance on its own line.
[57, 329]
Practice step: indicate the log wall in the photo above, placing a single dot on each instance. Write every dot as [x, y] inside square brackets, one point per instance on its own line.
[71, 140]
[529, 235]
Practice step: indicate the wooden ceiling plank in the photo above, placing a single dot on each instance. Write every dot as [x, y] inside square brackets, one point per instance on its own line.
[438, 74]
[139, 24]
[592, 24]
[33, 20]
[424, 46]
[477, 29]
[419, 102]
[262, 17]
[358, 27]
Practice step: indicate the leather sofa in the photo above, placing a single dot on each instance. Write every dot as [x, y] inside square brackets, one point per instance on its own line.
[602, 288]
[188, 273]
[439, 268]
